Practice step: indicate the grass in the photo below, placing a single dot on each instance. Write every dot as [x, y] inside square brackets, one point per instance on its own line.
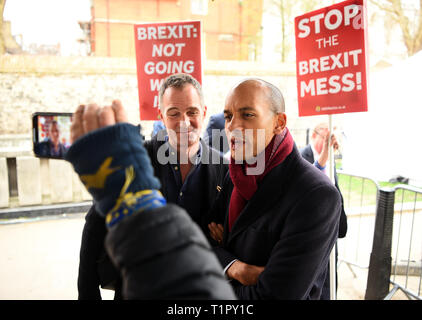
[358, 191]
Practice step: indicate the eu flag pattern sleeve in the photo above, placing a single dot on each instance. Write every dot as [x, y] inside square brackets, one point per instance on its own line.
[115, 168]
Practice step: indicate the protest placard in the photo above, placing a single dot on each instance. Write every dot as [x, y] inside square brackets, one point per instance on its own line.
[331, 59]
[161, 50]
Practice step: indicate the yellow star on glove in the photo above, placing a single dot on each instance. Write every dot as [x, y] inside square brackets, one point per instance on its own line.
[97, 180]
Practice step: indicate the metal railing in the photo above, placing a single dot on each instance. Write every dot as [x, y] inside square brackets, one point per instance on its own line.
[383, 236]
[360, 200]
[406, 254]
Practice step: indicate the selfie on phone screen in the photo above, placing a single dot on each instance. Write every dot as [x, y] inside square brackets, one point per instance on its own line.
[51, 135]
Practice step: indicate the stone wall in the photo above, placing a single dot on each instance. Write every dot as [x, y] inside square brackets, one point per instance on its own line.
[49, 83]
[59, 84]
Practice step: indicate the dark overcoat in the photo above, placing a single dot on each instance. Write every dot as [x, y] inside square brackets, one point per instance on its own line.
[290, 226]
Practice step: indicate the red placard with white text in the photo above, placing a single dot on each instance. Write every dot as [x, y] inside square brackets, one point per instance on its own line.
[331, 59]
[163, 49]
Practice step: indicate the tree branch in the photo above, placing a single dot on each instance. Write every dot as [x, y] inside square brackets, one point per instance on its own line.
[383, 7]
[418, 33]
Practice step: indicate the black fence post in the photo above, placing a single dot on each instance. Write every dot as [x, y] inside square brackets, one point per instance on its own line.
[378, 284]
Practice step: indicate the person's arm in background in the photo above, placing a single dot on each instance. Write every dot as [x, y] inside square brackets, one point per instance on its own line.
[321, 164]
[145, 235]
[323, 157]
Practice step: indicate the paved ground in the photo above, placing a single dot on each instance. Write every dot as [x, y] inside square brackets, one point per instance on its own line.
[39, 260]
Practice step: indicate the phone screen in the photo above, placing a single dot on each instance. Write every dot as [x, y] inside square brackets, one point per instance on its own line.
[51, 134]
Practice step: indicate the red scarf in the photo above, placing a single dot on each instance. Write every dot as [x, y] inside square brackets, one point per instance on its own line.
[245, 185]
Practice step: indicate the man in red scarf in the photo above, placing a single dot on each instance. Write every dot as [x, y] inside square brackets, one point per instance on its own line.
[279, 213]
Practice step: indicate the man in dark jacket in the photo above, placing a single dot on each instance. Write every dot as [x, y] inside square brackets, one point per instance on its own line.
[317, 153]
[215, 135]
[157, 249]
[52, 147]
[192, 183]
[280, 213]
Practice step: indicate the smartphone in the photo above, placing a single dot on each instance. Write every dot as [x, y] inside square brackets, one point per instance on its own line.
[51, 134]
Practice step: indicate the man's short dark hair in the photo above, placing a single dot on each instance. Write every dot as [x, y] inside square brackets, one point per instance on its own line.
[179, 80]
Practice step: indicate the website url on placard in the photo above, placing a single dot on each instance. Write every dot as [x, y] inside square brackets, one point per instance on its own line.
[333, 108]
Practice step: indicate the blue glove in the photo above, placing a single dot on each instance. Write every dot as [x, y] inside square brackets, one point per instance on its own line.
[116, 170]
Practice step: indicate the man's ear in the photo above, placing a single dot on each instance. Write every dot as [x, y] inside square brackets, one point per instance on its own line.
[280, 123]
[205, 111]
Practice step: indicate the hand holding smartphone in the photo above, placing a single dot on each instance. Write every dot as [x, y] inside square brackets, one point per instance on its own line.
[51, 134]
